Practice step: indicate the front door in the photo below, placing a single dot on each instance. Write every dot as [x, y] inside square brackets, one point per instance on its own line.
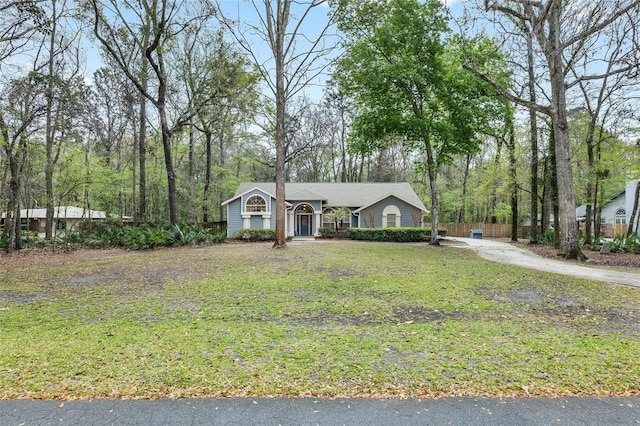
[304, 220]
[304, 224]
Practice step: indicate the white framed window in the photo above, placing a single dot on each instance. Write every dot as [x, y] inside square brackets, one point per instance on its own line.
[391, 220]
[391, 216]
[326, 220]
[621, 215]
[255, 204]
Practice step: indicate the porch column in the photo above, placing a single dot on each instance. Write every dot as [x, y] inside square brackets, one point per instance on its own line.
[290, 224]
[318, 224]
[246, 221]
[266, 221]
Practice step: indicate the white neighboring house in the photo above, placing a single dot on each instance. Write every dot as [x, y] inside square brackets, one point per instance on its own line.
[617, 211]
[65, 217]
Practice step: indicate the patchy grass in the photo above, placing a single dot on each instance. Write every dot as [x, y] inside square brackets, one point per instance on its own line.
[323, 319]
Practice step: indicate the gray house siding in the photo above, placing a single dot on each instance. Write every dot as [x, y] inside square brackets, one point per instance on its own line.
[235, 208]
[407, 213]
[256, 222]
[354, 219]
[272, 221]
[234, 217]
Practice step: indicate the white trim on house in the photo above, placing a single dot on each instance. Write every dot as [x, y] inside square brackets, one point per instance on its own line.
[384, 198]
[235, 197]
[391, 209]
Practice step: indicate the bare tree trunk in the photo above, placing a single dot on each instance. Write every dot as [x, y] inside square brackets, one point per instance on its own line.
[142, 144]
[12, 219]
[191, 172]
[433, 187]
[49, 127]
[171, 175]
[513, 174]
[462, 212]
[533, 126]
[221, 163]
[633, 227]
[553, 190]
[589, 188]
[597, 207]
[279, 25]
[207, 177]
[546, 197]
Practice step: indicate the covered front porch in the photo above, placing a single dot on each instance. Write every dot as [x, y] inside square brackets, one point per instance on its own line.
[303, 221]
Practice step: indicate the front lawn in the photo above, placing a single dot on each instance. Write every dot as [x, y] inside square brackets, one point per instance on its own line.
[319, 319]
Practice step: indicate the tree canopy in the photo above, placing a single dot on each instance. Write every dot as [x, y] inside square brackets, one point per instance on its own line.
[407, 82]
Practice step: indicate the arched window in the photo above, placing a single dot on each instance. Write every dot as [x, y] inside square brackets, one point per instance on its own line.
[304, 209]
[621, 215]
[255, 204]
[391, 216]
[329, 217]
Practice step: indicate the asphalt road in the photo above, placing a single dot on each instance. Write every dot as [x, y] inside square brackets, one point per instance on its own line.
[307, 411]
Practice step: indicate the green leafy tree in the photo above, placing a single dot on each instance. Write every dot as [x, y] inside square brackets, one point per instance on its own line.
[408, 83]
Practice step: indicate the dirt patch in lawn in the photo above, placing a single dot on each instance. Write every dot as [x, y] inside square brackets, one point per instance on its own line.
[48, 257]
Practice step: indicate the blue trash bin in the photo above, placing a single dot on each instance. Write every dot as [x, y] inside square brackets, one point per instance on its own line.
[475, 233]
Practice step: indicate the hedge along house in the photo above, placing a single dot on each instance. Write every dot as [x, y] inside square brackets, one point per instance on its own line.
[372, 205]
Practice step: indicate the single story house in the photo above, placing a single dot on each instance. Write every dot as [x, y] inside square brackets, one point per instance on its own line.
[65, 217]
[617, 211]
[372, 205]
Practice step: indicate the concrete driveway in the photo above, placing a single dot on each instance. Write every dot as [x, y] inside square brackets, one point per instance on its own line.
[501, 252]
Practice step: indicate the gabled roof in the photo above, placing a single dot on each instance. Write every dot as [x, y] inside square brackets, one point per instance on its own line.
[384, 198]
[581, 210]
[240, 194]
[353, 195]
[304, 195]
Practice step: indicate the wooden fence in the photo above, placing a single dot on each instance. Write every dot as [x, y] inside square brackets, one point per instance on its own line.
[494, 230]
[489, 230]
[611, 230]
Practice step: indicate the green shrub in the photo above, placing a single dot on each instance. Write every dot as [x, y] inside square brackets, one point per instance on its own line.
[29, 239]
[146, 237]
[114, 234]
[251, 234]
[196, 234]
[109, 233]
[327, 232]
[547, 238]
[399, 235]
[630, 244]
[633, 243]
